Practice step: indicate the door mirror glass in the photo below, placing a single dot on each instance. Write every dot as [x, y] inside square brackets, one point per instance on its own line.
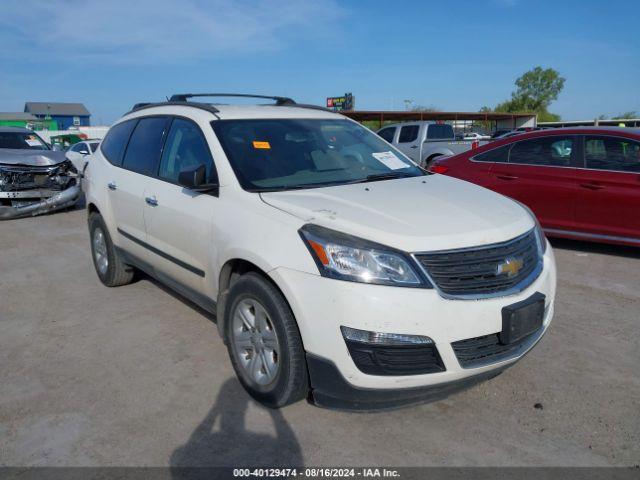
[195, 179]
[192, 177]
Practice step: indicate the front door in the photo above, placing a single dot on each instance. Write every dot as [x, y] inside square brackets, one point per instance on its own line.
[609, 187]
[180, 221]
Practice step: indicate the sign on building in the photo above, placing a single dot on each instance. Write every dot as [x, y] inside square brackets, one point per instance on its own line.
[339, 104]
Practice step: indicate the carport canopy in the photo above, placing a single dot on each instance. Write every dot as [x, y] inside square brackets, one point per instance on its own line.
[502, 119]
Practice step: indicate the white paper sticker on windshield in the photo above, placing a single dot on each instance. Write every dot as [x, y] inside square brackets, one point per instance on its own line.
[390, 160]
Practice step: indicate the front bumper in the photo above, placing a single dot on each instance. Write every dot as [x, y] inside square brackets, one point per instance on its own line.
[331, 390]
[321, 305]
[59, 200]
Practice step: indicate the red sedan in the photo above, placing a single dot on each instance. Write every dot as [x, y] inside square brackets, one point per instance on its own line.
[581, 183]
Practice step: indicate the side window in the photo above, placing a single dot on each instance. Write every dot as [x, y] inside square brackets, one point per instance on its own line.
[185, 148]
[439, 131]
[388, 133]
[608, 153]
[116, 140]
[500, 154]
[82, 148]
[143, 153]
[93, 146]
[547, 151]
[408, 133]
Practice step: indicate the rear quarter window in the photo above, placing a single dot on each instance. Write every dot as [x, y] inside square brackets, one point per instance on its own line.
[499, 155]
[116, 141]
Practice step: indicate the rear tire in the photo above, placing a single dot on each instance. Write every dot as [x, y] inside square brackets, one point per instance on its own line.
[264, 343]
[111, 270]
[429, 161]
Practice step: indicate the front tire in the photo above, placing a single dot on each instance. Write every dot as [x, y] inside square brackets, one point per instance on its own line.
[111, 270]
[264, 343]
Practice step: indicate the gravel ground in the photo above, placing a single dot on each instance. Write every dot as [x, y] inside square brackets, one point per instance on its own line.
[138, 376]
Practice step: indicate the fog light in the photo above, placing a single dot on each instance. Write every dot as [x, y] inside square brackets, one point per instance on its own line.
[380, 338]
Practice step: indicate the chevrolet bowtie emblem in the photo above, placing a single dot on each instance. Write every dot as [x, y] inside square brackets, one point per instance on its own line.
[511, 266]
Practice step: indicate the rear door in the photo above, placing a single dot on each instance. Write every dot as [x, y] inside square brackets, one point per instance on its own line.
[409, 142]
[179, 221]
[125, 210]
[140, 162]
[609, 187]
[541, 173]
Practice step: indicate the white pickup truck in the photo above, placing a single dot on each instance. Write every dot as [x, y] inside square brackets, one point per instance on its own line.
[424, 141]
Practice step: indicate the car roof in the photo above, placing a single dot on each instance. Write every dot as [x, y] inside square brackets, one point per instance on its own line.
[212, 111]
[402, 124]
[498, 142]
[625, 131]
[15, 129]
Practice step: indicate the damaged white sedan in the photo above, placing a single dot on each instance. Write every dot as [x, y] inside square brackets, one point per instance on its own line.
[33, 178]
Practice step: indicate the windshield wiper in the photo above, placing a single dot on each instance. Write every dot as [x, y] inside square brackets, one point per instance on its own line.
[385, 176]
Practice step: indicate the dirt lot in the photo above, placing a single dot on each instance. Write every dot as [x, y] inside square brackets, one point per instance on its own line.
[137, 376]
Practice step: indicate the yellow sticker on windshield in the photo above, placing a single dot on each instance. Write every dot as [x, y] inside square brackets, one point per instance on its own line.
[261, 145]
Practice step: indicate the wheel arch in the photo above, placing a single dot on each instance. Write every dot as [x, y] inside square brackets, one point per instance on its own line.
[92, 208]
[232, 270]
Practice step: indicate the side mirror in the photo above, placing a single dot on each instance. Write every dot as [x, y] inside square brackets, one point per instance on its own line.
[195, 179]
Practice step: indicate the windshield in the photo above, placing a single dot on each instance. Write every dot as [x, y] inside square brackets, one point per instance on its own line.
[22, 141]
[282, 154]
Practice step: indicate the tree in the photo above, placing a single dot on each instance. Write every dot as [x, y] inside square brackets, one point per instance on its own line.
[536, 90]
[629, 114]
[421, 108]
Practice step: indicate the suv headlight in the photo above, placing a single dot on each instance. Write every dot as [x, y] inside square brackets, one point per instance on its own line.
[345, 257]
[542, 240]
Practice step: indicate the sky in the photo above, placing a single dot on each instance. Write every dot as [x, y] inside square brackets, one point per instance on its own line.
[454, 55]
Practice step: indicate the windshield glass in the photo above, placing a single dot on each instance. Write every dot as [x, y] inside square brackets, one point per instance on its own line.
[22, 141]
[283, 154]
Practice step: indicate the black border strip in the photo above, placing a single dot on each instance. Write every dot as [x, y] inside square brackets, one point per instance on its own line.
[164, 255]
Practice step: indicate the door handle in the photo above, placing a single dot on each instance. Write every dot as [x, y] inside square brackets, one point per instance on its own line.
[506, 177]
[413, 146]
[112, 185]
[151, 201]
[591, 186]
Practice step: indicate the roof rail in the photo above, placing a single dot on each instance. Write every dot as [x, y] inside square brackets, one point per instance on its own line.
[314, 107]
[183, 97]
[201, 106]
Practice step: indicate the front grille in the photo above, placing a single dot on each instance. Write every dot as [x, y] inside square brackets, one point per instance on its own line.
[474, 271]
[478, 351]
[395, 359]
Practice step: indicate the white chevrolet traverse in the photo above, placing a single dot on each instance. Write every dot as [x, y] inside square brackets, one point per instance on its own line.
[338, 270]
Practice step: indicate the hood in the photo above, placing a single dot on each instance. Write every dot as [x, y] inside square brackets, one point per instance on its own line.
[432, 212]
[32, 158]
